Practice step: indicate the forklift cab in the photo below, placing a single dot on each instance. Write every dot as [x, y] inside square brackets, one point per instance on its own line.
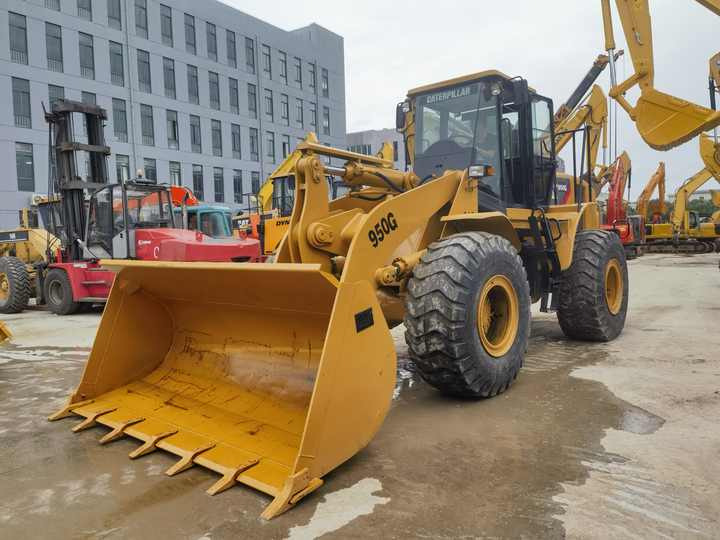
[116, 211]
[486, 119]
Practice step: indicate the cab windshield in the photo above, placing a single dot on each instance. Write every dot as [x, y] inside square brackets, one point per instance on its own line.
[215, 224]
[457, 127]
[148, 210]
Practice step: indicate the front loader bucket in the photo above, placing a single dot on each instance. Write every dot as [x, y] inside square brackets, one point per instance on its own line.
[665, 121]
[269, 374]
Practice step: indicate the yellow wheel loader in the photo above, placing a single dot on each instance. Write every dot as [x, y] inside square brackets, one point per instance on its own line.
[272, 375]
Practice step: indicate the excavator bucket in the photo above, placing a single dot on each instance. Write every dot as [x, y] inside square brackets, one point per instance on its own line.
[665, 121]
[270, 375]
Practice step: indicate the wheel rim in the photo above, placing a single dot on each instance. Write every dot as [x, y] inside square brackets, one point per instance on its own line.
[55, 292]
[613, 286]
[498, 316]
[4, 286]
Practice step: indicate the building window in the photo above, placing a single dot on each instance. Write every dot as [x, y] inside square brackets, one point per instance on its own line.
[313, 77]
[252, 100]
[144, 77]
[84, 9]
[299, 117]
[216, 127]
[53, 47]
[25, 167]
[236, 142]
[87, 56]
[172, 130]
[122, 167]
[117, 67]
[120, 119]
[21, 102]
[193, 85]
[55, 93]
[150, 166]
[269, 112]
[166, 29]
[283, 66]
[175, 170]
[237, 186]
[255, 182]
[114, 14]
[219, 184]
[298, 71]
[169, 77]
[190, 34]
[198, 182]
[270, 151]
[325, 82]
[285, 146]
[284, 109]
[141, 21]
[254, 145]
[231, 48]
[313, 115]
[18, 38]
[211, 41]
[214, 82]
[250, 55]
[234, 95]
[267, 61]
[53, 4]
[195, 134]
[147, 125]
[326, 120]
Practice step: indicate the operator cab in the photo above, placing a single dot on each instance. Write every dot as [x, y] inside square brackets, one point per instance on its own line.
[212, 221]
[116, 211]
[485, 119]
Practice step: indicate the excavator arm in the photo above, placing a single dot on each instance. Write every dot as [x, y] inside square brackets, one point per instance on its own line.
[663, 121]
[618, 180]
[657, 181]
[710, 153]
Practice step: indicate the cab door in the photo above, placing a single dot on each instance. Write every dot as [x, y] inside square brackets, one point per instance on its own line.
[544, 164]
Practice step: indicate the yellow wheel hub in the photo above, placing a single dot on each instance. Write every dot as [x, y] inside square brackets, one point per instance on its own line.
[498, 316]
[614, 286]
[4, 286]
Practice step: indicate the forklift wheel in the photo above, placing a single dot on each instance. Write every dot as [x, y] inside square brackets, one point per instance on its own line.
[58, 293]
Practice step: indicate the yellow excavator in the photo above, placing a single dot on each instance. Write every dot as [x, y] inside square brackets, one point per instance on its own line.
[684, 232]
[274, 374]
[653, 213]
[715, 194]
[663, 121]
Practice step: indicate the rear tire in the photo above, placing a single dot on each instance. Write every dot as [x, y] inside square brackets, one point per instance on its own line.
[58, 293]
[594, 290]
[462, 279]
[15, 285]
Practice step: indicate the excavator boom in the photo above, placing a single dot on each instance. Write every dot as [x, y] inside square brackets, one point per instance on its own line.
[663, 121]
[657, 181]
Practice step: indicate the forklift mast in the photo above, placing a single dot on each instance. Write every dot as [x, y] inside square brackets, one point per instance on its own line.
[66, 182]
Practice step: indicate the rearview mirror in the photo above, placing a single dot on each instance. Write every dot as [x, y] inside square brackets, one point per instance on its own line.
[400, 116]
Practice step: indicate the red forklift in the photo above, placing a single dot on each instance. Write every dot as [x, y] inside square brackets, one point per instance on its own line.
[95, 220]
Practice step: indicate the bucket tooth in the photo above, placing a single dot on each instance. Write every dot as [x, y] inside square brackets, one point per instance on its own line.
[151, 444]
[186, 461]
[296, 487]
[91, 420]
[119, 431]
[68, 410]
[229, 479]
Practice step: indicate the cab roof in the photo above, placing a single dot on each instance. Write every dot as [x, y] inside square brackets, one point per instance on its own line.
[459, 80]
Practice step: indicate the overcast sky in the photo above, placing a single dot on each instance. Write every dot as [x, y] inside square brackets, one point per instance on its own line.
[391, 47]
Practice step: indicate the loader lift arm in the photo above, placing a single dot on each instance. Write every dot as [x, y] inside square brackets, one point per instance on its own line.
[663, 121]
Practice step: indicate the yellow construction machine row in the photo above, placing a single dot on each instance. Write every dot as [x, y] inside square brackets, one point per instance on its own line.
[274, 374]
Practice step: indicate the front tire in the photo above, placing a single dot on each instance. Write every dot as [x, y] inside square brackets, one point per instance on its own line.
[58, 293]
[468, 315]
[15, 285]
[594, 291]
